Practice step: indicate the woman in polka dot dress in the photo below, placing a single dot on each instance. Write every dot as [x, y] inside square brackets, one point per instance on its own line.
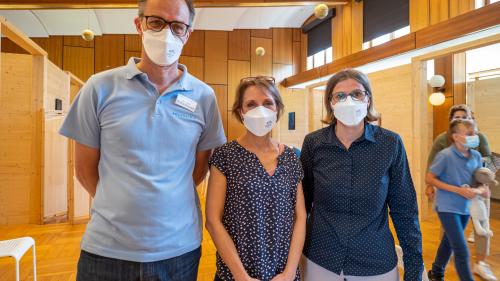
[354, 173]
[255, 205]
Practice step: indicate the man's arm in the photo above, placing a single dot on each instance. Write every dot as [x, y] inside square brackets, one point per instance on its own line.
[86, 167]
[201, 166]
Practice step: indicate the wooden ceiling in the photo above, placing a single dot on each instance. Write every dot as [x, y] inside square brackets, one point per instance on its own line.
[65, 4]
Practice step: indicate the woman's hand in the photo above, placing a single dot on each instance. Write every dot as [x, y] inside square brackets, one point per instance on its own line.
[246, 278]
[467, 192]
[430, 192]
[284, 277]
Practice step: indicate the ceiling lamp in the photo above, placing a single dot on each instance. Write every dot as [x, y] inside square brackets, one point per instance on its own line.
[321, 11]
[87, 35]
[260, 51]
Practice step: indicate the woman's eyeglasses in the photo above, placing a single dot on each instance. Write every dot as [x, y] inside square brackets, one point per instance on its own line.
[356, 95]
[157, 24]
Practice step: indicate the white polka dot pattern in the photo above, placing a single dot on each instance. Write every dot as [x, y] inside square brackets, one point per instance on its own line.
[259, 209]
[348, 194]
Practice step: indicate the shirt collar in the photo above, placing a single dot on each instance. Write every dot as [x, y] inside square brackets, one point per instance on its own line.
[368, 134]
[457, 152]
[182, 84]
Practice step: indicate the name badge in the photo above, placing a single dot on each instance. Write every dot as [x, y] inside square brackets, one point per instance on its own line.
[186, 103]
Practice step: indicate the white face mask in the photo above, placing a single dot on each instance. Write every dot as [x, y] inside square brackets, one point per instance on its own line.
[163, 48]
[350, 112]
[260, 120]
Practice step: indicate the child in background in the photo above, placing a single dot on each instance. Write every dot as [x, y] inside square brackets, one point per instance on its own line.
[453, 167]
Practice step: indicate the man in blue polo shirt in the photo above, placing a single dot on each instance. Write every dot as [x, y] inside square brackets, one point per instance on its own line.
[144, 133]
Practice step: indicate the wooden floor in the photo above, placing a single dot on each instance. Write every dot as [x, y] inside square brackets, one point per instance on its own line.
[58, 250]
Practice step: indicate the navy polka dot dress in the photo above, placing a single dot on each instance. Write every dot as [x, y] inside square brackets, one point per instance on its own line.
[259, 209]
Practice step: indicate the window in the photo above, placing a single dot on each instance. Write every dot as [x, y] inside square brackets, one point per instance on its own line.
[320, 58]
[319, 41]
[387, 37]
[384, 20]
[483, 63]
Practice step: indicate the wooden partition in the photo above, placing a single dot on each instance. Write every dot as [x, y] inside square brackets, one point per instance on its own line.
[34, 99]
[21, 129]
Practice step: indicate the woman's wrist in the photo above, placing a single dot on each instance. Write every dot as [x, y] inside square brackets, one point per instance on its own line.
[290, 273]
[241, 276]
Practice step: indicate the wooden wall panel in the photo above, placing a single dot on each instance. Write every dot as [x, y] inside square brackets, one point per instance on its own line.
[236, 71]
[296, 58]
[303, 52]
[195, 46]
[357, 27]
[194, 66]
[41, 41]
[77, 41]
[221, 94]
[109, 51]
[419, 14]
[20, 199]
[234, 128]
[396, 113]
[459, 78]
[8, 46]
[443, 66]
[216, 57]
[439, 11]
[262, 65]
[458, 7]
[239, 44]
[297, 34]
[282, 45]
[316, 109]
[440, 117]
[133, 42]
[295, 100]
[338, 34]
[55, 50]
[79, 61]
[262, 33]
[58, 86]
[129, 54]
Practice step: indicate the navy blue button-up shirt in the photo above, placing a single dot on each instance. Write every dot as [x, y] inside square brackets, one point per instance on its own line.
[348, 194]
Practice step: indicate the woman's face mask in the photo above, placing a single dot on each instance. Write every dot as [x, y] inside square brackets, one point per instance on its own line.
[260, 120]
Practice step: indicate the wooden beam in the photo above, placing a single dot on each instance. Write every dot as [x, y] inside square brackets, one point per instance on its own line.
[18, 37]
[391, 48]
[456, 27]
[117, 4]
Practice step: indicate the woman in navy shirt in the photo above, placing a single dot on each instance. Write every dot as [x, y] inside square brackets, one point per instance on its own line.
[354, 173]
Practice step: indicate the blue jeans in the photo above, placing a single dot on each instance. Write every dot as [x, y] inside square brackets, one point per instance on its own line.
[453, 241]
[97, 268]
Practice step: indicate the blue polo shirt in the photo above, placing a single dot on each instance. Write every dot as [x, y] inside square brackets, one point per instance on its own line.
[452, 167]
[146, 207]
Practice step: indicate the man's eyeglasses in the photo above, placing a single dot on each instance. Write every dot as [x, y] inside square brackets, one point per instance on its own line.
[268, 79]
[357, 95]
[157, 24]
